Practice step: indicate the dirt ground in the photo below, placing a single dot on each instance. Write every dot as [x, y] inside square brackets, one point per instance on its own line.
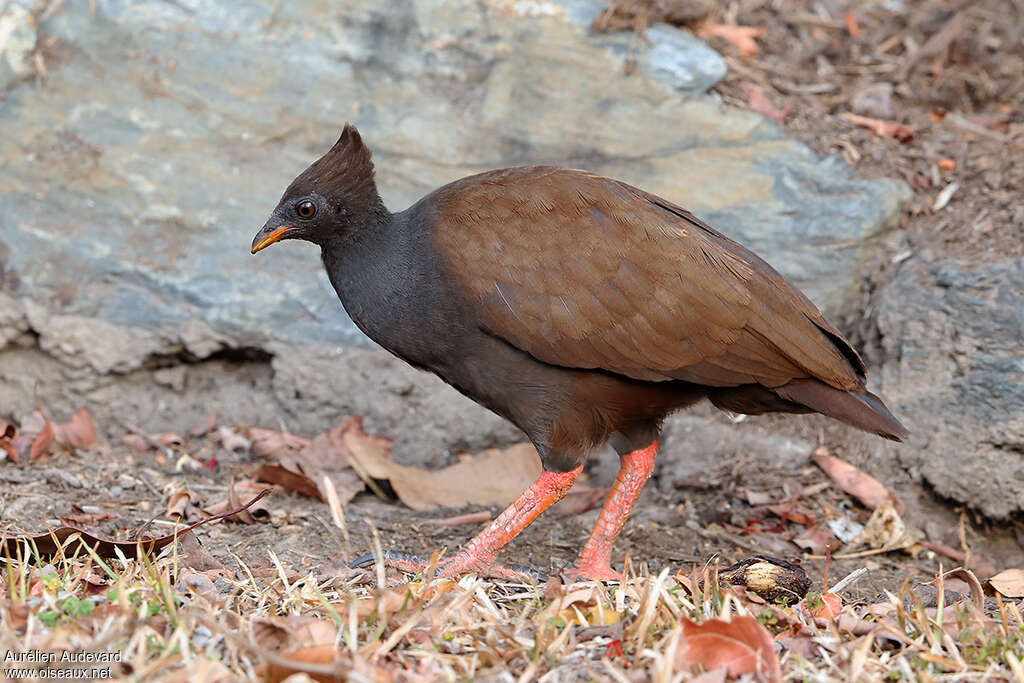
[952, 73]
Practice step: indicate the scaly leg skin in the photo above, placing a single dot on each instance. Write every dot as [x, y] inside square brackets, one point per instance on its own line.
[479, 554]
[595, 559]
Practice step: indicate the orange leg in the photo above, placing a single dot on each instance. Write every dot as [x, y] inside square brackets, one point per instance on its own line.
[595, 559]
[479, 554]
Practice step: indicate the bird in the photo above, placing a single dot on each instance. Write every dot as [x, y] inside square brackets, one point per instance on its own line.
[581, 309]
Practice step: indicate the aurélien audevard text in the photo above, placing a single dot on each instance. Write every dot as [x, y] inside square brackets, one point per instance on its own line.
[62, 657]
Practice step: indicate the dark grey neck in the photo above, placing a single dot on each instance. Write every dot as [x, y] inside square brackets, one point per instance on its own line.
[387, 281]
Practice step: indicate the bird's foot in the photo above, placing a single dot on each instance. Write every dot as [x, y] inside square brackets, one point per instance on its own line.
[594, 569]
[460, 564]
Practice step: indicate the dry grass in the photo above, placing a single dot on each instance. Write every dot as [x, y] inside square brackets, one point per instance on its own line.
[173, 623]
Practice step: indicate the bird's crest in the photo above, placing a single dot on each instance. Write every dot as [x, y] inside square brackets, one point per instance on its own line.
[344, 173]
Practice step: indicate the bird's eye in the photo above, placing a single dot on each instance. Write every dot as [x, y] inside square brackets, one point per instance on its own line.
[306, 209]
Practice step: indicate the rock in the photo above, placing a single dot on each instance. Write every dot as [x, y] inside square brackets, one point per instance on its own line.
[953, 332]
[17, 43]
[135, 179]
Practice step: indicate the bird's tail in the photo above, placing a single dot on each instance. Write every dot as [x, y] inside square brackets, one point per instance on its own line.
[861, 410]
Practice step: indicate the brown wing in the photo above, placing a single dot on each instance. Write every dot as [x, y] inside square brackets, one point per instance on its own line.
[583, 271]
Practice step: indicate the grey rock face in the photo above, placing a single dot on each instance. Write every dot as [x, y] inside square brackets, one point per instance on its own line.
[132, 182]
[955, 332]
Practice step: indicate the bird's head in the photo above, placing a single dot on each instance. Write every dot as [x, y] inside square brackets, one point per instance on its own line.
[331, 199]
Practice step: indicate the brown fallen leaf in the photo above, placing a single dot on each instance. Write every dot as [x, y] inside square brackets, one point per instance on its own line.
[10, 432]
[193, 555]
[287, 479]
[458, 520]
[251, 514]
[208, 425]
[78, 516]
[181, 506]
[862, 486]
[759, 102]
[742, 645]
[817, 540]
[579, 499]
[494, 477]
[271, 444]
[1009, 583]
[885, 129]
[742, 37]
[136, 442]
[79, 432]
[52, 541]
[43, 441]
[302, 464]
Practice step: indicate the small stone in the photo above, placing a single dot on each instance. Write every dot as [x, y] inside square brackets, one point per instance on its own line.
[172, 378]
[874, 100]
[127, 481]
[17, 43]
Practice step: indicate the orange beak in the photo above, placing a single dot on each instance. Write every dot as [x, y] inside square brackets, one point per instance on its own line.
[268, 235]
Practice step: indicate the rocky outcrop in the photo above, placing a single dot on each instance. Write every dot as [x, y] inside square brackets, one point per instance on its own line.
[954, 334]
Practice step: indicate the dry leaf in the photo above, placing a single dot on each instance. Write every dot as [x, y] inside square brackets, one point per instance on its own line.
[742, 37]
[52, 541]
[302, 464]
[830, 607]
[180, 505]
[458, 520]
[494, 477]
[258, 511]
[271, 444]
[78, 516]
[288, 479]
[759, 102]
[43, 442]
[209, 424]
[885, 530]
[10, 432]
[851, 24]
[885, 129]
[816, 540]
[864, 487]
[136, 442]
[79, 432]
[742, 645]
[233, 441]
[1009, 583]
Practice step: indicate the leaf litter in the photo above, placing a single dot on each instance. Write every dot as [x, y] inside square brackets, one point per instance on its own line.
[198, 615]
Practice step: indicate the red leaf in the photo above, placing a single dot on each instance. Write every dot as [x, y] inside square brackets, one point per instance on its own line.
[851, 24]
[864, 487]
[830, 607]
[759, 102]
[742, 645]
[43, 442]
[743, 37]
[7, 442]
[80, 431]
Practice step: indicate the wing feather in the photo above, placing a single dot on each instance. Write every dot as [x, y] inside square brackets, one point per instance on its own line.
[587, 272]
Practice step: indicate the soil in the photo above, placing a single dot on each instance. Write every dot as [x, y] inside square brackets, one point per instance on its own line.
[962, 98]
